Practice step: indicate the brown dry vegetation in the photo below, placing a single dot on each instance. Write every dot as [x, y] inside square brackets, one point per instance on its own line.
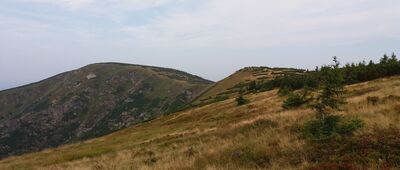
[231, 86]
[226, 84]
[259, 135]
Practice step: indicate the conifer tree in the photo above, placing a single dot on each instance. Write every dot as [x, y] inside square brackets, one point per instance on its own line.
[384, 59]
[331, 88]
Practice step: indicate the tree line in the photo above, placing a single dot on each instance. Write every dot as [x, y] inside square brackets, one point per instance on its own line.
[352, 73]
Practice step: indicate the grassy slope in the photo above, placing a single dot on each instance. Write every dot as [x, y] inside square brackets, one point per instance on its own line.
[214, 135]
[226, 87]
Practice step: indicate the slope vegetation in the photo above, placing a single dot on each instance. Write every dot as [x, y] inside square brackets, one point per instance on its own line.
[89, 102]
[239, 81]
[258, 135]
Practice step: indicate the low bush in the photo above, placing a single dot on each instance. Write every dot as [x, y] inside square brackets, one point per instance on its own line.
[241, 100]
[295, 100]
[348, 126]
[322, 129]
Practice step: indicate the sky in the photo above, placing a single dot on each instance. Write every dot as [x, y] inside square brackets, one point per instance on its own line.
[209, 38]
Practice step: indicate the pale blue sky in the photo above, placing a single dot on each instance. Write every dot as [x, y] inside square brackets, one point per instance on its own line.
[209, 38]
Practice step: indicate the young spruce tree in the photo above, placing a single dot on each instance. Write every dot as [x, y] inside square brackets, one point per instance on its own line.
[332, 87]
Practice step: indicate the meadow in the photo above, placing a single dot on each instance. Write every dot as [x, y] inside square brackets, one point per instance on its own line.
[258, 135]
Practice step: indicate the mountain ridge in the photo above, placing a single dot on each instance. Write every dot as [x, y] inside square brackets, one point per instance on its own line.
[100, 63]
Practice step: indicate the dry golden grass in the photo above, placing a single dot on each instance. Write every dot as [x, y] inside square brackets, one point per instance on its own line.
[259, 135]
[227, 83]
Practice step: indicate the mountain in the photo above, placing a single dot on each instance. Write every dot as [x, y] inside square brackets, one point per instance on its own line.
[257, 135]
[89, 102]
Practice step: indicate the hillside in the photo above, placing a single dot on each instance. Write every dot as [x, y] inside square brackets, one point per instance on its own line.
[89, 102]
[233, 84]
[258, 135]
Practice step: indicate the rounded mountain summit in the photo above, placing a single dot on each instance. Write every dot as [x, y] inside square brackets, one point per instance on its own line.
[88, 102]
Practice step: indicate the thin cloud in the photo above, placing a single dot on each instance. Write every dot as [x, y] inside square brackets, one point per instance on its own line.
[232, 23]
[72, 4]
[104, 4]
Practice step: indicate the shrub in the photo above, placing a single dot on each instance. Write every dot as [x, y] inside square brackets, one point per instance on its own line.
[348, 126]
[241, 100]
[295, 100]
[321, 129]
